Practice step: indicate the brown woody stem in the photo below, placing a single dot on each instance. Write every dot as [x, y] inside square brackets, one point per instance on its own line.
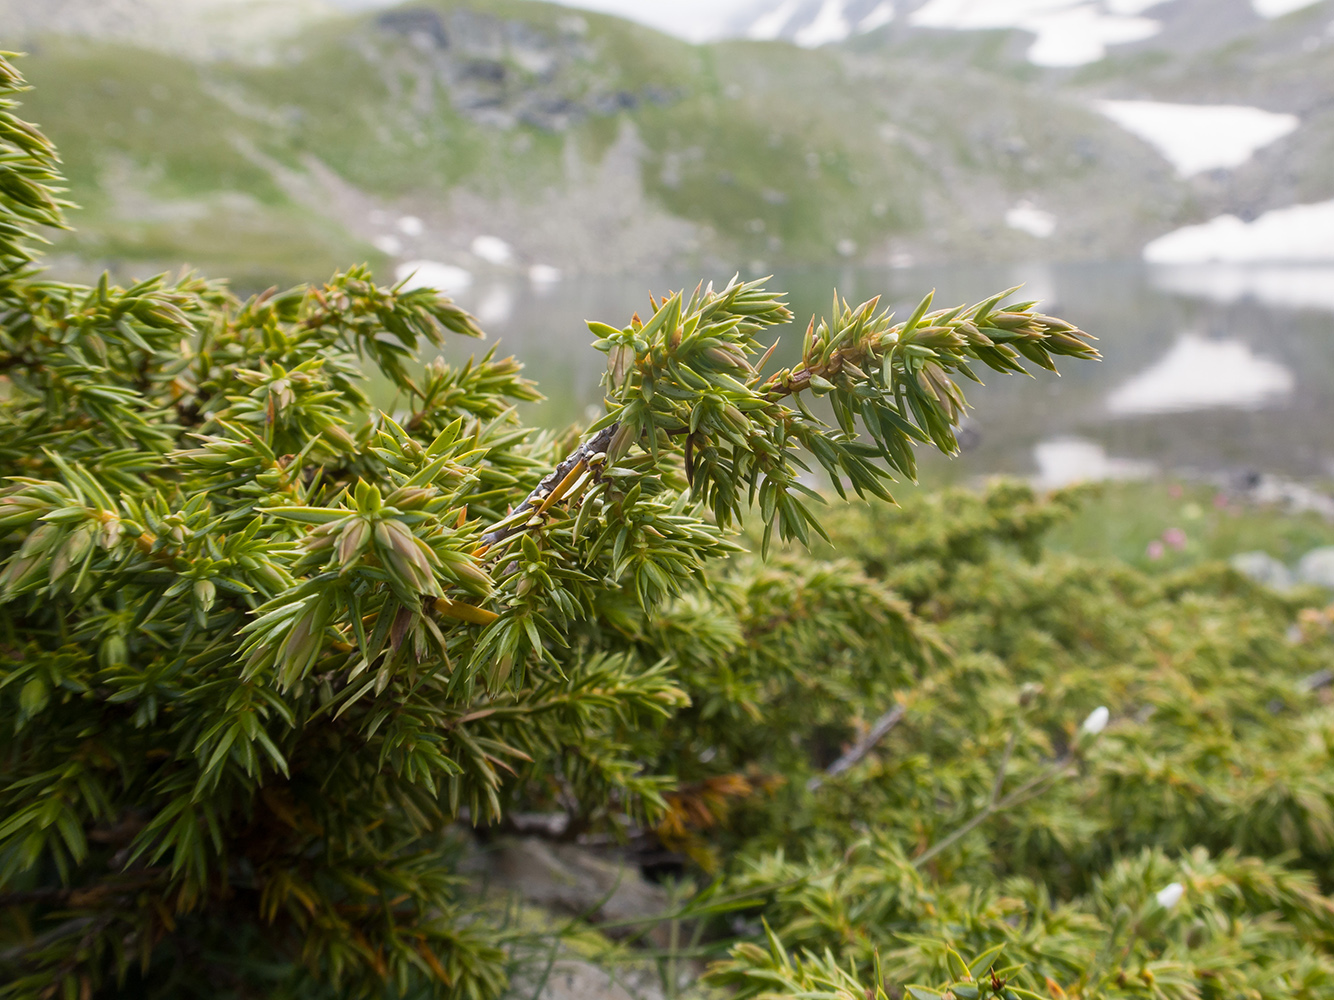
[862, 747]
[512, 525]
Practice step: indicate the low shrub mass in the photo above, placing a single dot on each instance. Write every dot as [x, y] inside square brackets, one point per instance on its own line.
[264, 649]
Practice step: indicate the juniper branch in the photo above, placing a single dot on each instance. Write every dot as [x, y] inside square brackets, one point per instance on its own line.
[686, 374]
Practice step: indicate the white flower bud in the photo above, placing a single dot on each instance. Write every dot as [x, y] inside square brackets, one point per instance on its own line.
[1097, 721]
[1169, 896]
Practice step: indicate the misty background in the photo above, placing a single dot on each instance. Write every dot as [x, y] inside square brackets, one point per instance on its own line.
[1154, 171]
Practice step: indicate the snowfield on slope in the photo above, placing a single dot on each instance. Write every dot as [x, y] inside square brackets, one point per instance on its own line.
[1195, 138]
[1068, 33]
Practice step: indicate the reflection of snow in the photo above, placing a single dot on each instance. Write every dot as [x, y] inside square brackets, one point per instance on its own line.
[1300, 287]
[1069, 33]
[544, 274]
[495, 307]
[830, 25]
[1199, 374]
[1299, 233]
[493, 250]
[1036, 282]
[1064, 461]
[432, 274]
[1199, 137]
[1028, 218]
[1277, 8]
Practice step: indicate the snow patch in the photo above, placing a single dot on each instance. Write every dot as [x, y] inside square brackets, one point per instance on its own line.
[410, 225]
[1200, 374]
[1133, 6]
[830, 24]
[432, 274]
[1277, 8]
[493, 250]
[1069, 33]
[1064, 461]
[878, 18]
[978, 14]
[1301, 233]
[771, 25]
[1081, 36]
[1199, 137]
[390, 245]
[1028, 218]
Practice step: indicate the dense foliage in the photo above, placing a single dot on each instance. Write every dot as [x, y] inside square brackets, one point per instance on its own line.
[265, 646]
[992, 814]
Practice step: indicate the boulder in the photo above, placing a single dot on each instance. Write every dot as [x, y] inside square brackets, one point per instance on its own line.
[574, 979]
[569, 879]
[1263, 568]
[1317, 567]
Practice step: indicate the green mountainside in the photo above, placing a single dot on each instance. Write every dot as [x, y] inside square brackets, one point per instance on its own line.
[596, 145]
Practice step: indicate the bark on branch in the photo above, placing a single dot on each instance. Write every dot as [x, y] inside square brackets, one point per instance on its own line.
[862, 747]
[584, 454]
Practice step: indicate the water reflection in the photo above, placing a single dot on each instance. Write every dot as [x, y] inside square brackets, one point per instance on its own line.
[1309, 286]
[1158, 398]
[1200, 374]
[495, 306]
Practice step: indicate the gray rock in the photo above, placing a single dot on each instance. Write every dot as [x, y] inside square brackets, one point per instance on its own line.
[417, 21]
[1263, 568]
[572, 979]
[569, 879]
[1317, 567]
[1292, 496]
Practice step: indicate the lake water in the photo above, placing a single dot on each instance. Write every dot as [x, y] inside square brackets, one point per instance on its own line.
[1206, 368]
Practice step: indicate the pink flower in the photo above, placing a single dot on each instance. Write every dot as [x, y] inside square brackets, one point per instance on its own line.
[1220, 500]
[1175, 491]
[1156, 550]
[1175, 537]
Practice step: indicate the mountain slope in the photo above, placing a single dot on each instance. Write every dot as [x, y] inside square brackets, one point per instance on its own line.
[1058, 32]
[248, 29]
[591, 144]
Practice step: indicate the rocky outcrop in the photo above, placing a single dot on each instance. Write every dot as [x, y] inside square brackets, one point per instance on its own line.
[502, 72]
[571, 880]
